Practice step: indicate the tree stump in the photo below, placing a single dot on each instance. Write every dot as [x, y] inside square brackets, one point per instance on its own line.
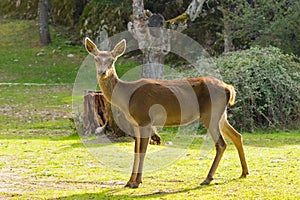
[98, 114]
[94, 112]
[98, 118]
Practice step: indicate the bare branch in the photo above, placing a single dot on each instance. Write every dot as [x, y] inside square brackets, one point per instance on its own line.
[179, 23]
[194, 9]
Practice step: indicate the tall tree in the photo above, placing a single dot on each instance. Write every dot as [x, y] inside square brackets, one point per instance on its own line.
[227, 32]
[43, 19]
[154, 43]
[261, 22]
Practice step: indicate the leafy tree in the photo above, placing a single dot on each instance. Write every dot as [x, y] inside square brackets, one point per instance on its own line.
[264, 23]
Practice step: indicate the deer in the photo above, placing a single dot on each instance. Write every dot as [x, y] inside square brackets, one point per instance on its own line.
[150, 103]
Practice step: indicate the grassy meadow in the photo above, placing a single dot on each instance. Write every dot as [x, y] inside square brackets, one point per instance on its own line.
[42, 157]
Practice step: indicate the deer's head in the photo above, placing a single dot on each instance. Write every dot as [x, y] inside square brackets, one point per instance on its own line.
[105, 60]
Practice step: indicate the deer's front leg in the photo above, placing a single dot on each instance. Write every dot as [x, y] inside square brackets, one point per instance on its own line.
[132, 181]
[143, 149]
[141, 144]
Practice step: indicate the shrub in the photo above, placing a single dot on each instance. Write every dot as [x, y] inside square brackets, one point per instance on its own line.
[61, 13]
[99, 16]
[267, 83]
[268, 87]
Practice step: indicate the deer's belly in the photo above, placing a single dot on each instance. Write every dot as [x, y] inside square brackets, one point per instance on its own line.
[165, 115]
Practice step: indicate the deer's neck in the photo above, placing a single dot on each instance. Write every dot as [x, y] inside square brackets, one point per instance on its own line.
[107, 84]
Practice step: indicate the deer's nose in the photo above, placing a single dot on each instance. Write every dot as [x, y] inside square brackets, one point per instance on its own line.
[101, 72]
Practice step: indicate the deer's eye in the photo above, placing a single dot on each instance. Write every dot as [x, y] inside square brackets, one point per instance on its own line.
[108, 60]
[111, 60]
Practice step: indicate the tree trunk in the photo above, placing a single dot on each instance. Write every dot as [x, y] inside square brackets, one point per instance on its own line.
[153, 64]
[98, 116]
[43, 18]
[228, 45]
[153, 40]
[94, 112]
[146, 30]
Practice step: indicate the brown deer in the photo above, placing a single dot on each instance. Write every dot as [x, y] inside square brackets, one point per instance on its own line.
[148, 103]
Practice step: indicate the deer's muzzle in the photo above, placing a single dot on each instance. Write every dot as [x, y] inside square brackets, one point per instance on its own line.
[101, 72]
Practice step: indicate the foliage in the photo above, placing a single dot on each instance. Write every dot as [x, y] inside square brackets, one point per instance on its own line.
[98, 16]
[168, 8]
[61, 13]
[267, 83]
[266, 22]
[261, 22]
[41, 158]
[268, 87]
[19, 9]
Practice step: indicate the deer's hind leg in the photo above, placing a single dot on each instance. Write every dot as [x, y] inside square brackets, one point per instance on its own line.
[236, 138]
[212, 125]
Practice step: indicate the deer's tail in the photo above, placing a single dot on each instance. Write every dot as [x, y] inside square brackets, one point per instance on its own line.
[232, 94]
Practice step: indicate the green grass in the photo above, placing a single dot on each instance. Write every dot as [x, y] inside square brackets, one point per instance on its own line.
[41, 156]
[46, 167]
[35, 107]
[23, 60]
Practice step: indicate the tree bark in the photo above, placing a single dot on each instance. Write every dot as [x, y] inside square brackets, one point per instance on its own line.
[153, 40]
[228, 45]
[94, 112]
[150, 41]
[180, 22]
[98, 116]
[43, 19]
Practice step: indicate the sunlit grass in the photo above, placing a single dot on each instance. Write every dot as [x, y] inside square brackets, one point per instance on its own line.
[43, 167]
[23, 60]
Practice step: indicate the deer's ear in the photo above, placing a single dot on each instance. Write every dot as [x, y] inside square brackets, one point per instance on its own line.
[91, 47]
[119, 49]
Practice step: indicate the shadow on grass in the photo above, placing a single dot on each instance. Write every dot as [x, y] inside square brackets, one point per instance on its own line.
[108, 194]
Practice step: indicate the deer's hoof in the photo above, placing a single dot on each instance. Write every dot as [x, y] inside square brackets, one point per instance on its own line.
[155, 140]
[204, 183]
[244, 175]
[133, 184]
[207, 181]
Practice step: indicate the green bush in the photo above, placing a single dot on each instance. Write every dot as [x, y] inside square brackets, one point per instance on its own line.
[268, 88]
[267, 84]
[61, 11]
[19, 9]
[98, 16]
